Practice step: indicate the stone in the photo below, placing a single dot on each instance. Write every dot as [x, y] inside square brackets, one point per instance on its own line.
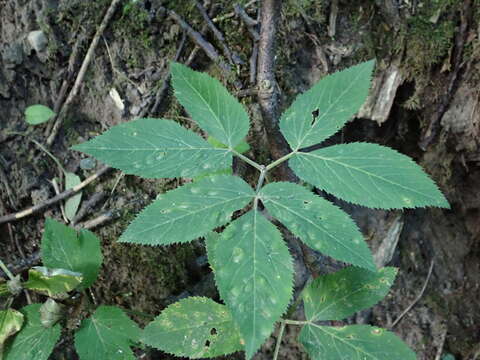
[37, 40]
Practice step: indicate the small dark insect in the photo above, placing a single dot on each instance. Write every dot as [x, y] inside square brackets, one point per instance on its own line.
[315, 114]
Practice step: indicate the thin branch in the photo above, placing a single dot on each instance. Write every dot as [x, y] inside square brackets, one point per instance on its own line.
[417, 299]
[231, 56]
[279, 340]
[81, 74]
[249, 22]
[64, 195]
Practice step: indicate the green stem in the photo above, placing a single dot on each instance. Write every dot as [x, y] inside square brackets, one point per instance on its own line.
[261, 179]
[279, 340]
[6, 271]
[247, 160]
[281, 160]
[295, 322]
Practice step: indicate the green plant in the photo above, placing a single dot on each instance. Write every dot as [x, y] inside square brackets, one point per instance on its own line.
[71, 263]
[252, 264]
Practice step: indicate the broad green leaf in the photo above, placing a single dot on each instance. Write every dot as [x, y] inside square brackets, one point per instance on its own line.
[194, 327]
[321, 111]
[107, 334]
[189, 212]
[52, 282]
[210, 104]
[211, 241]
[156, 148]
[317, 222]
[38, 114]
[368, 174]
[34, 341]
[11, 322]
[254, 276]
[72, 203]
[341, 294]
[353, 342]
[62, 247]
[241, 148]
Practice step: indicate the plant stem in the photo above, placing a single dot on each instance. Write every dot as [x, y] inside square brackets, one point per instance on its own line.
[247, 160]
[281, 160]
[279, 340]
[6, 271]
[295, 322]
[261, 179]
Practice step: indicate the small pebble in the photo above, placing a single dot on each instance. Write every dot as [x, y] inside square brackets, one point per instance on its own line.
[87, 164]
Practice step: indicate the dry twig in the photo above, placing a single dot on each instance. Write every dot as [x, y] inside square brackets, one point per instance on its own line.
[64, 195]
[82, 72]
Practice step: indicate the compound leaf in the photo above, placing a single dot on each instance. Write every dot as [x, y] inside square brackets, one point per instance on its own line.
[341, 294]
[62, 247]
[210, 104]
[317, 222]
[353, 342]
[194, 327]
[368, 174]
[52, 282]
[254, 275]
[321, 111]
[107, 334]
[38, 114]
[189, 212]
[34, 341]
[11, 322]
[72, 203]
[156, 148]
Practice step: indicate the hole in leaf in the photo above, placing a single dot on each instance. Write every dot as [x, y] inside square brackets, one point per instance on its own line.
[315, 114]
[213, 331]
[207, 343]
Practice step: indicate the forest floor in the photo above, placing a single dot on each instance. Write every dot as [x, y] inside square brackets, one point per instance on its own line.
[426, 114]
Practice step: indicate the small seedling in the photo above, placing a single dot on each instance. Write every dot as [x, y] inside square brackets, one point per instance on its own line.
[252, 264]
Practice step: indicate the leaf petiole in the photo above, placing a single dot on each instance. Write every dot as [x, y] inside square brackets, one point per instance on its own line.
[281, 160]
[247, 160]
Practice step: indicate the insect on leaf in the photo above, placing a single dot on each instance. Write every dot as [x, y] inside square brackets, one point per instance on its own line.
[107, 334]
[317, 222]
[194, 327]
[34, 341]
[62, 247]
[210, 104]
[337, 296]
[368, 174]
[353, 342]
[321, 111]
[156, 148]
[254, 276]
[190, 211]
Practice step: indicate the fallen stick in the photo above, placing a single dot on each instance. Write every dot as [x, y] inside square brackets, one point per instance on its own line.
[82, 72]
[64, 195]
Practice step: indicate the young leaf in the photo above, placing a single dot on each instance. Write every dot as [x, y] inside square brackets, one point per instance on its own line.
[324, 109]
[62, 247]
[341, 294]
[370, 175]
[353, 342]
[156, 148]
[11, 322]
[38, 114]
[72, 203]
[52, 282]
[34, 341]
[254, 276]
[194, 327]
[189, 212]
[210, 105]
[107, 334]
[317, 222]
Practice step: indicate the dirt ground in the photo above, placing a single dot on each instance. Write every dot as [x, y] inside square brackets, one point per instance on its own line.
[424, 104]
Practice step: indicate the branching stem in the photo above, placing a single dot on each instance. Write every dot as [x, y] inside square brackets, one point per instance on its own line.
[247, 160]
[295, 322]
[281, 160]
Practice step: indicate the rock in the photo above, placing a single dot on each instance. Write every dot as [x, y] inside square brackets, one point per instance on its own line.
[37, 40]
[87, 163]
